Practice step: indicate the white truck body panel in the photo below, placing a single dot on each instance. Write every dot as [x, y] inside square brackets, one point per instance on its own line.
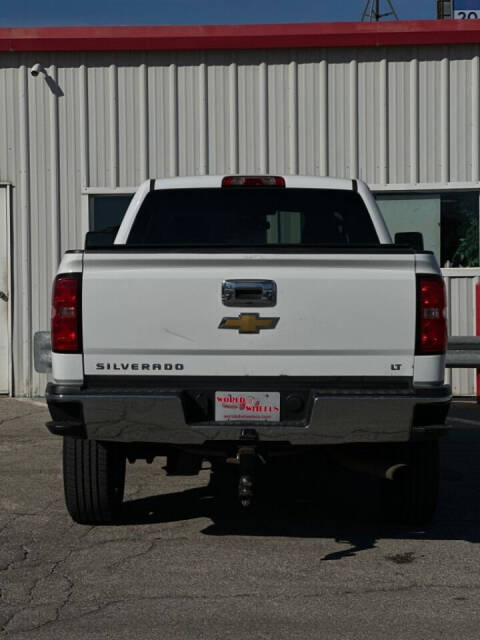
[155, 308]
[164, 308]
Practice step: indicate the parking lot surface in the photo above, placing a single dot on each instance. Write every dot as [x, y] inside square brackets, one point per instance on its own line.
[184, 565]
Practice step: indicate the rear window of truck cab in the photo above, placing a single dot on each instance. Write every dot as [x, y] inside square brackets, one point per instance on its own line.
[252, 216]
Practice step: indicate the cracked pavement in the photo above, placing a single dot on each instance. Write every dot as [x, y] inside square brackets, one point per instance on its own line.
[185, 566]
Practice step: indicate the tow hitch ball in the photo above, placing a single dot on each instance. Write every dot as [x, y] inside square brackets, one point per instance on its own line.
[246, 460]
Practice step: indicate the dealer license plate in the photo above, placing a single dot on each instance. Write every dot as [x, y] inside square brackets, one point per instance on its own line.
[247, 406]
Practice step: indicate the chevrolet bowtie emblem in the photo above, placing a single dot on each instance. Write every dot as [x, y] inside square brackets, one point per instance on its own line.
[248, 323]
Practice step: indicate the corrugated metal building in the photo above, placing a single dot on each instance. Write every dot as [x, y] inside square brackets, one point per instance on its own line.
[396, 104]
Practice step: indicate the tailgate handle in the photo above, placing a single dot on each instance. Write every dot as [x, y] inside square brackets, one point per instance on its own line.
[249, 293]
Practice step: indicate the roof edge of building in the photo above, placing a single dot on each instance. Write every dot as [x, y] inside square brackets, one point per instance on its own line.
[238, 37]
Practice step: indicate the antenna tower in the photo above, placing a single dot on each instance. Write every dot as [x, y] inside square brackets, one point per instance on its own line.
[372, 11]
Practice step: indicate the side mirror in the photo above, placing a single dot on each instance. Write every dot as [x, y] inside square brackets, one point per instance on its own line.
[103, 238]
[412, 239]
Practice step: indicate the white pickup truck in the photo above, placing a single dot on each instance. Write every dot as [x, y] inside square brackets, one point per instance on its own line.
[235, 319]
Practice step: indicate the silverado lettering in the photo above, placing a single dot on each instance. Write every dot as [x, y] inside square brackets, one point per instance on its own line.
[136, 366]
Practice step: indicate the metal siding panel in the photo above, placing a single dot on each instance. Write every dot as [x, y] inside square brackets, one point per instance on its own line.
[383, 121]
[371, 115]
[99, 128]
[14, 168]
[8, 124]
[203, 91]
[127, 115]
[431, 132]
[162, 99]
[252, 133]
[43, 165]
[218, 117]
[22, 235]
[292, 127]
[312, 125]
[460, 96]
[399, 123]
[113, 147]
[190, 114]
[278, 117]
[41, 141]
[339, 115]
[461, 321]
[129, 121]
[475, 116]
[70, 142]
[222, 105]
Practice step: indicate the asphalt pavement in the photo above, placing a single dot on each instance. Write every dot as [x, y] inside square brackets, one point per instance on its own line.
[184, 565]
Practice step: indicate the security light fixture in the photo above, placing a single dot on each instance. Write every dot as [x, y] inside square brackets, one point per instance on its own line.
[37, 69]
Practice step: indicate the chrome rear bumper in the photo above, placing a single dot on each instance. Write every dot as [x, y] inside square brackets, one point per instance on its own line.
[333, 418]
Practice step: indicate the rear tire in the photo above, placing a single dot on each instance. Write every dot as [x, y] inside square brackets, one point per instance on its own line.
[94, 480]
[411, 497]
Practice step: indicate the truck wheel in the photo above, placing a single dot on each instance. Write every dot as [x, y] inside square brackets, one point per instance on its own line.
[94, 480]
[411, 497]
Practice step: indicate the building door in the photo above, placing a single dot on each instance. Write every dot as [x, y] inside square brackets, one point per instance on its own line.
[4, 292]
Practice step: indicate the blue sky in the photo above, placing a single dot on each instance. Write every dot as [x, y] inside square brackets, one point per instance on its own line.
[106, 12]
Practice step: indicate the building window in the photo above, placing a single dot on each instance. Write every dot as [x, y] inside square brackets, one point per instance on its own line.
[459, 224]
[107, 211]
[448, 222]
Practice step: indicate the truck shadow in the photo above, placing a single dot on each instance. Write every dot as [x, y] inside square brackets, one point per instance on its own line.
[347, 508]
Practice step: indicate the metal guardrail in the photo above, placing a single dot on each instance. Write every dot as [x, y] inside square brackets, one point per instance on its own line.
[42, 352]
[463, 352]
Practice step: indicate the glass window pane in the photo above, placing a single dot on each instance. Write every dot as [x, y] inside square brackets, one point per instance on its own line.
[449, 222]
[460, 246]
[107, 211]
[416, 212]
[252, 217]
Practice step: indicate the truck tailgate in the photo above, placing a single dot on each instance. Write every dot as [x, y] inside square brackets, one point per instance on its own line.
[153, 313]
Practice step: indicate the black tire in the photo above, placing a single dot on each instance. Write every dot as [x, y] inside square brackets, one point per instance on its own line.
[411, 497]
[94, 480]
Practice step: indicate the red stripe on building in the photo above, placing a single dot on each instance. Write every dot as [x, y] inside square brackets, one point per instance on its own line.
[236, 37]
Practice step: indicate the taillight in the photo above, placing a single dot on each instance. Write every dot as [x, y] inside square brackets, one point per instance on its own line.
[65, 328]
[253, 181]
[431, 318]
